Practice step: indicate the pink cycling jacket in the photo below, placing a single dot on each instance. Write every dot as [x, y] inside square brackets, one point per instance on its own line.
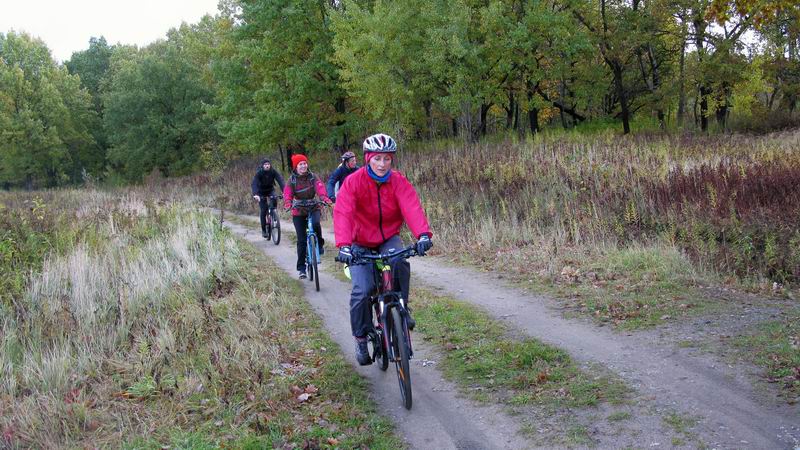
[368, 213]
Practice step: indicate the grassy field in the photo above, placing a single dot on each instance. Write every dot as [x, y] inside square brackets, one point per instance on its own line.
[727, 205]
[138, 324]
[626, 230]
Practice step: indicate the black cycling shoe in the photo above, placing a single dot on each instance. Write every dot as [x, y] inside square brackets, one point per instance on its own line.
[362, 353]
[264, 235]
[410, 321]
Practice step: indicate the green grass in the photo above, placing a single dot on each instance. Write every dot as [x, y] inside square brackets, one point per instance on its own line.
[482, 356]
[679, 422]
[635, 287]
[618, 416]
[776, 346]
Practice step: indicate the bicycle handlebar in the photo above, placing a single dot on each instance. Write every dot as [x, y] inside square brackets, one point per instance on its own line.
[407, 252]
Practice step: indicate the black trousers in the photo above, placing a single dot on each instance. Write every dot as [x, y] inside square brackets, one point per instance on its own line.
[300, 228]
[264, 204]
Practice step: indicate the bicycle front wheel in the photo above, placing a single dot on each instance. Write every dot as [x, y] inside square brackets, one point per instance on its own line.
[314, 269]
[276, 227]
[399, 345]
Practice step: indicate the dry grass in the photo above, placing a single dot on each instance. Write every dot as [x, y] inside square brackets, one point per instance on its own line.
[726, 201]
[152, 326]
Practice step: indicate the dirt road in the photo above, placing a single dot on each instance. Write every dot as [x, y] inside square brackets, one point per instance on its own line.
[725, 409]
[439, 418]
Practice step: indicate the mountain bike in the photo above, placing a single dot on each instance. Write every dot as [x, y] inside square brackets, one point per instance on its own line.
[273, 222]
[391, 338]
[312, 241]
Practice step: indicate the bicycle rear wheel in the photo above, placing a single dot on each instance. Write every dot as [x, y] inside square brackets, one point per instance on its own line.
[276, 227]
[399, 344]
[314, 269]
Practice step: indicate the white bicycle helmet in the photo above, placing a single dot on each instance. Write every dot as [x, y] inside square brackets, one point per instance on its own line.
[380, 143]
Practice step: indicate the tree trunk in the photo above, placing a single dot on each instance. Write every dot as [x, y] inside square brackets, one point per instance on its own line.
[341, 108]
[682, 76]
[484, 112]
[533, 113]
[429, 118]
[704, 93]
[616, 69]
[533, 120]
[289, 158]
[699, 42]
[510, 110]
[561, 110]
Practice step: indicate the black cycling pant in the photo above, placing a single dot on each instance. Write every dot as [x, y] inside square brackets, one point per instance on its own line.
[300, 223]
[266, 202]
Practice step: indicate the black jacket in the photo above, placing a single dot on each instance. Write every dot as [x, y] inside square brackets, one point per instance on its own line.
[338, 176]
[264, 181]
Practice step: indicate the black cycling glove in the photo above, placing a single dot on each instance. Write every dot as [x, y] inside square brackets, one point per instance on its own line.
[423, 244]
[345, 255]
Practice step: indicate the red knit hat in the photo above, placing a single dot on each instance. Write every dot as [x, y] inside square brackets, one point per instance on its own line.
[296, 159]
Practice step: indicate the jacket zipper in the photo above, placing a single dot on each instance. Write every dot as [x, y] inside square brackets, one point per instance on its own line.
[380, 213]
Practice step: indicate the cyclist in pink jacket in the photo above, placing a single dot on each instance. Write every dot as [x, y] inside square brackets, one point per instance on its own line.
[371, 207]
[304, 185]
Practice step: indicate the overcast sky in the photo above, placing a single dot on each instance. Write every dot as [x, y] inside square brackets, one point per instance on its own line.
[66, 25]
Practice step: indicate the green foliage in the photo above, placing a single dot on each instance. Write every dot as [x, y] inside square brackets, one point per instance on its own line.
[277, 84]
[91, 66]
[154, 110]
[44, 117]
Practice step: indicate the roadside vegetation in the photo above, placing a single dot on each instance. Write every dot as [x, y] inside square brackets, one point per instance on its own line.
[614, 213]
[633, 232]
[487, 360]
[776, 346]
[139, 324]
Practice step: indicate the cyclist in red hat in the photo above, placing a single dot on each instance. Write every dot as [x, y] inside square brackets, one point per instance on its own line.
[304, 185]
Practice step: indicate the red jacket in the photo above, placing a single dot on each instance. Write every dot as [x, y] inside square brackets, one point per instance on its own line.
[288, 193]
[368, 213]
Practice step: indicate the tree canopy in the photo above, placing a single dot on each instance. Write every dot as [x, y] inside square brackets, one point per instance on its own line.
[318, 76]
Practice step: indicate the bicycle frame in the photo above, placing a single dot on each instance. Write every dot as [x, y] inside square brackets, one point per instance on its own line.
[309, 234]
[384, 300]
[312, 241]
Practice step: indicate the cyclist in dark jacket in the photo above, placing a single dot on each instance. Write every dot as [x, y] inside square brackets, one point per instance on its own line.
[263, 186]
[347, 167]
